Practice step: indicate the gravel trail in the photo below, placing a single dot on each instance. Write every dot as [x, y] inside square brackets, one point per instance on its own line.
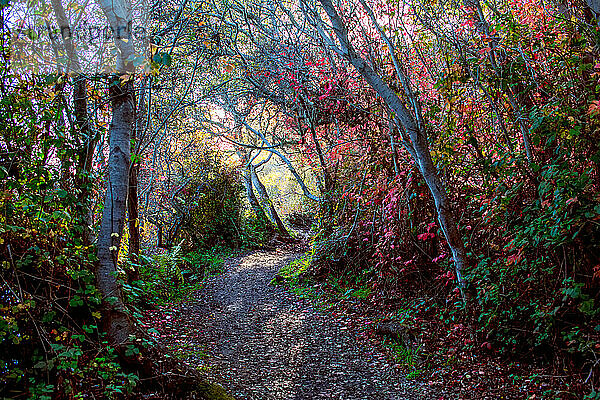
[266, 343]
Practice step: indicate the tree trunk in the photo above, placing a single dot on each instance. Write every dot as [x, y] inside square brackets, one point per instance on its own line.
[283, 158]
[417, 138]
[328, 181]
[594, 5]
[115, 318]
[262, 192]
[133, 214]
[256, 207]
[134, 221]
[86, 153]
[82, 125]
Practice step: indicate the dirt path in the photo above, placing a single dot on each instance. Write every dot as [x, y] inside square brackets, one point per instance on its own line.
[266, 343]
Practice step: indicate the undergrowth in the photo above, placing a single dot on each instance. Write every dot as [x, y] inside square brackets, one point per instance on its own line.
[172, 276]
[407, 356]
[443, 349]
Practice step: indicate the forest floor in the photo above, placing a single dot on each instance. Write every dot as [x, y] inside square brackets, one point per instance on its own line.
[262, 341]
[265, 342]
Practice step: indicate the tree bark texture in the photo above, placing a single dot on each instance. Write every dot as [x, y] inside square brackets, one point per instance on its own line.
[262, 192]
[133, 215]
[254, 203]
[133, 222]
[116, 321]
[83, 127]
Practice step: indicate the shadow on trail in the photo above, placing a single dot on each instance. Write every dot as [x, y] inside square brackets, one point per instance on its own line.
[266, 343]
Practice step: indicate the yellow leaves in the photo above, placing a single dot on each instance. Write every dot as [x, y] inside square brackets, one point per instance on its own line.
[96, 315]
[95, 95]
[126, 77]
[566, 134]
[59, 336]
[450, 100]
[49, 94]
[18, 308]
[7, 318]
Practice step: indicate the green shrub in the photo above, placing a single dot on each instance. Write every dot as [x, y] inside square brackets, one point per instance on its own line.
[172, 276]
[50, 341]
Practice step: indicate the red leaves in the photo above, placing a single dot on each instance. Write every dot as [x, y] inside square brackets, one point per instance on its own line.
[486, 345]
[594, 107]
[515, 258]
[597, 272]
[426, 235]
[447, 276]
[571, 200]
[439, 258]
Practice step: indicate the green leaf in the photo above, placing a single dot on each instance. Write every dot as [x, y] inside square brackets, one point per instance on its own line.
[587, 307]
[57, 346]
[49, 316]
[166, 59]
[81, 338]
[40, 365]
[76, 301]
[61, 214]
[31, 34]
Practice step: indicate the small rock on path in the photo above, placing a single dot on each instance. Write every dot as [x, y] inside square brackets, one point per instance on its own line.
[266, 343]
